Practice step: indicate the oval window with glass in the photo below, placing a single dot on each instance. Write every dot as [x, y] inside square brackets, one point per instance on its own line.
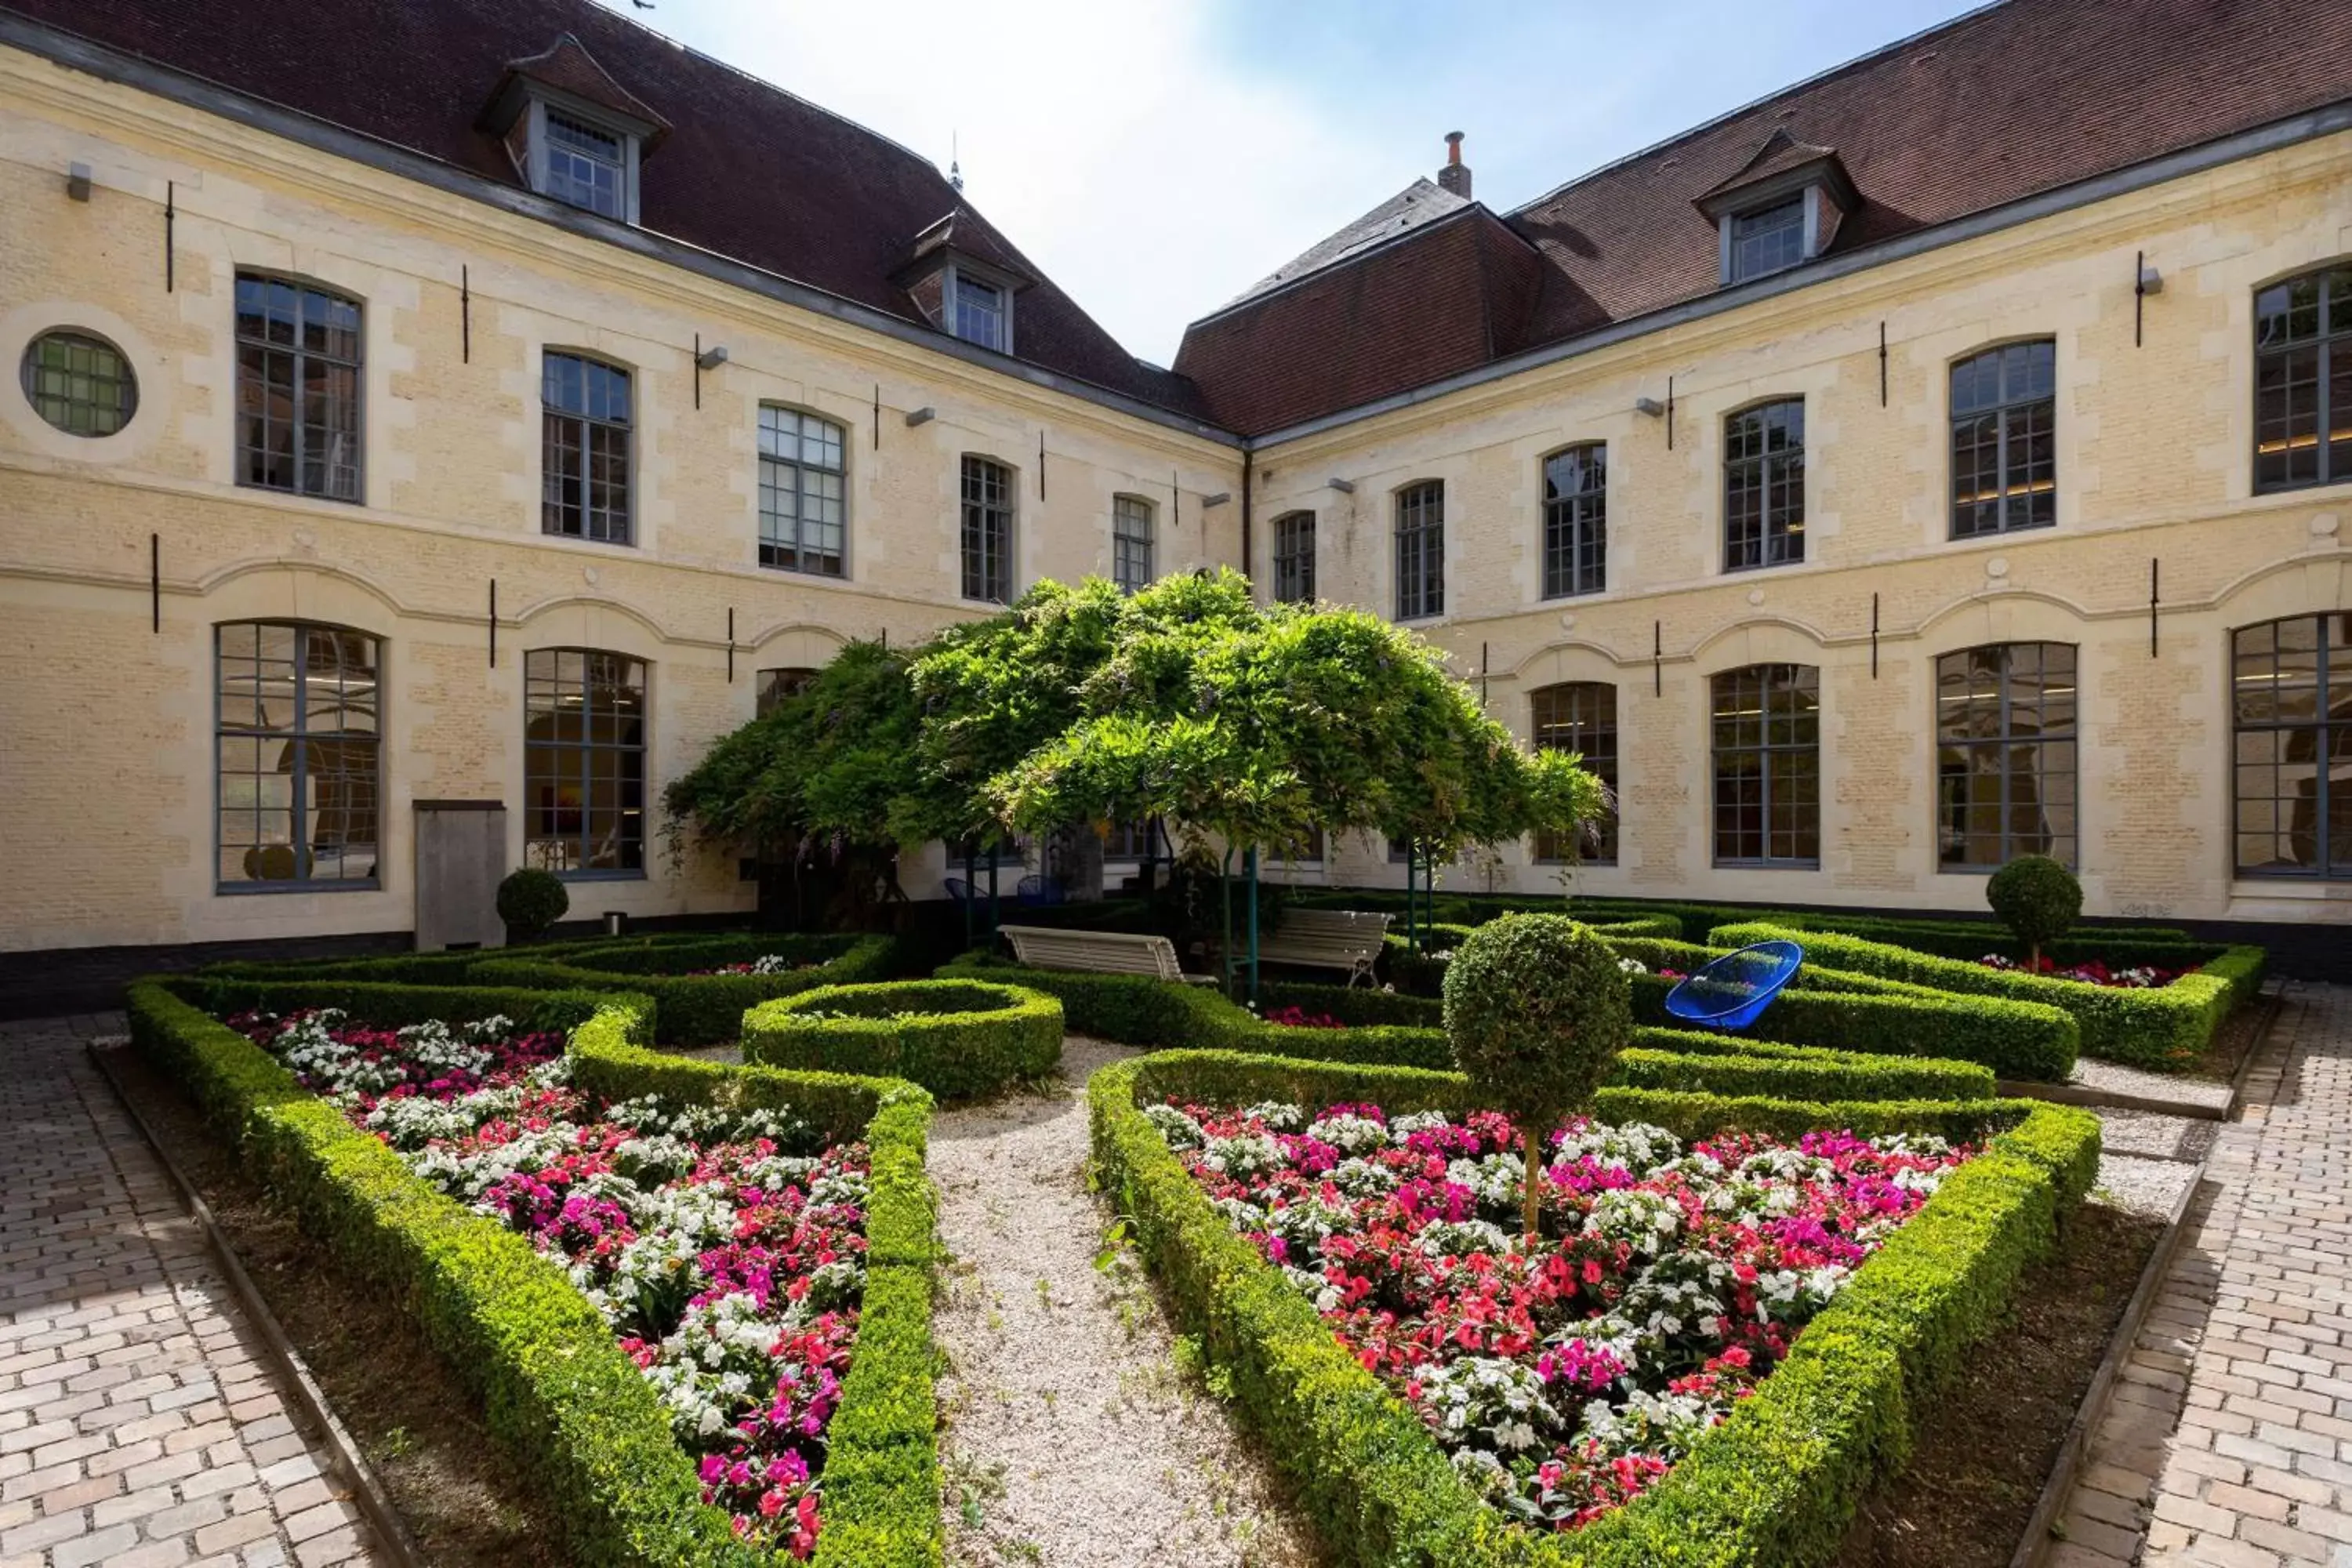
[80, 384]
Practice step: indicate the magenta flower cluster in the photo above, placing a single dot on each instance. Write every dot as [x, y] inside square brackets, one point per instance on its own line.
[1562, 1375]
[726, 1248]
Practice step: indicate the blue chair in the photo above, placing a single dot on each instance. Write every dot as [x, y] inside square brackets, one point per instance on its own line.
[959, 889]
[1732, 992]
[1037, 892]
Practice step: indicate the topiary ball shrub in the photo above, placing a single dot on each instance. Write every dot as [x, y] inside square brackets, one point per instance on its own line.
[531, 900]
[2037, 898]
[1536, 1010]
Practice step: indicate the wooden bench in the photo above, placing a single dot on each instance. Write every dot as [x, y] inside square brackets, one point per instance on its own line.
[1099, 952]
[1328, 939]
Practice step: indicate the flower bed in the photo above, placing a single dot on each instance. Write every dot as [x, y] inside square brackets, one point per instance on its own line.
[955, 1037]
[724, 1248]
[2091, 971]
[699, 989]
[1300, 1018]
[1775, 1481]
[766, 963]
[1567, 1377]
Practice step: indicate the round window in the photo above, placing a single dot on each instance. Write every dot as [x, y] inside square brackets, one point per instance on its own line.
[80, 384]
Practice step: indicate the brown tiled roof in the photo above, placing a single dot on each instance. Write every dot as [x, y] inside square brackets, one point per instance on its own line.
[2002, 104]
[1778, 155]
[566, 64]
[1448, 295]
[747, 171]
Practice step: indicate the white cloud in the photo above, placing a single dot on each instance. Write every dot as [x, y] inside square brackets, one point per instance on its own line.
[1110, 141]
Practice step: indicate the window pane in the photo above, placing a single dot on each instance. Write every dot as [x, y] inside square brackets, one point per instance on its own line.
[1581, 717]
[79, 384]
[298, 389]
[2291, 780]
[584, 740]
[1764, 486]
[1767, 760]
[298, 770]
[2302, 381]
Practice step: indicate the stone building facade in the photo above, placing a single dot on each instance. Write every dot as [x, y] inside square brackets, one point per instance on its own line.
[528, 485]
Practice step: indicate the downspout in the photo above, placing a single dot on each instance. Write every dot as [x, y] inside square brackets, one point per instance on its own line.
[1247, 557]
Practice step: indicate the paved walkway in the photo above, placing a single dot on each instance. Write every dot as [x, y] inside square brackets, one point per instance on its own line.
[139, 1427]
[2230, 1441]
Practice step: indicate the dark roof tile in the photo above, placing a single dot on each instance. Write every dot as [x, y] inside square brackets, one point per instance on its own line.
[748, 171]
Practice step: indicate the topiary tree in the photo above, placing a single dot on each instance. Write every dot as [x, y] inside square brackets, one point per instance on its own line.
[1536, 1010]
[530, 900]
[2036, 898]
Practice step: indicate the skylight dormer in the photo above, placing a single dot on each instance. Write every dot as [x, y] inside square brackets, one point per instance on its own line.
[1781, 209]
[576, 135]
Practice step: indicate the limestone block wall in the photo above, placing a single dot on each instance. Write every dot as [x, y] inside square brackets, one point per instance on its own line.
[2154, 465]
[107, 703]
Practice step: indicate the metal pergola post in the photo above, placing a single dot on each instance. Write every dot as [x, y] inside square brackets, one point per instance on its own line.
[1250, 860]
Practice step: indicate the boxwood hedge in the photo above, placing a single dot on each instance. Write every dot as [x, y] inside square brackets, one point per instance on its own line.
[581, 1424]
[955, 1037]
[1776, 1483]
[696, 1009]
[1138, 1010]
[2165, 1028]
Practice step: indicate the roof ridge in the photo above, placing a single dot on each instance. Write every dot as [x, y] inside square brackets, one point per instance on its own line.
[1729, 115]
[777, 88]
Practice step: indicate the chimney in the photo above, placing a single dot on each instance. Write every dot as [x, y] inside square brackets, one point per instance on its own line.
[1455, 176]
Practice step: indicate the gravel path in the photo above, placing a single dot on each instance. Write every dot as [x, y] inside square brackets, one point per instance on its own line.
[1068, 1436]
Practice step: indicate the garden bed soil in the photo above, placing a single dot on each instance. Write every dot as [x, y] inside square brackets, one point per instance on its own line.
[1980, 1467]
[2235, 1036]
[416, 1423]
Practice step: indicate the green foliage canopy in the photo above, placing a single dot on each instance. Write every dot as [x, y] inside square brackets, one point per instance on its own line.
[1255, 725]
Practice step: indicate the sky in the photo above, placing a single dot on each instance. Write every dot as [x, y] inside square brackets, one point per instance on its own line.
[1156, 157]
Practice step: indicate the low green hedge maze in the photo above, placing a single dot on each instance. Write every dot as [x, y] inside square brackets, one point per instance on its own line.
[956, 1038]
[1387, 1029]
[2165, 1028]
[1775, 1484]
[694, 1009]
[700, 1009]
[572, 1412]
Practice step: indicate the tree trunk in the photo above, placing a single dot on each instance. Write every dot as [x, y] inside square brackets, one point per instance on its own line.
[1534, 1155]
[1083, 858]
[2034, 956]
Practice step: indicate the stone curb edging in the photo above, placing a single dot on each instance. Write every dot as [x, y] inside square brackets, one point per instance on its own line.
[368, 1490]
[2036, 1541]
[2272, 998]
[2091, 1099]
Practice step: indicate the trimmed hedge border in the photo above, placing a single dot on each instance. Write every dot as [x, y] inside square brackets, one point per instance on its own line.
[2165, 1028]
[573, 1411]
[1138, 1010]
[958, 1038]
[697, 1009]
[1775, 1484]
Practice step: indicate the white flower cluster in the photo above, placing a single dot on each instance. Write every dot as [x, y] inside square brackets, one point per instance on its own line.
[1350, 1134]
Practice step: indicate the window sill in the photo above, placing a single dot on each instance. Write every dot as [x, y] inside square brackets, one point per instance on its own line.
[357, 501]
[639, 875]
[546, 532]
[2331, 482]
[1576, 593]
[841, 576]
[1992, 534]
[1731, 571]
[261, 890]
[1768, 865]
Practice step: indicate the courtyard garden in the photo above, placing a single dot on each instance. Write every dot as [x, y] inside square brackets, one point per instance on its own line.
[1213, 1222]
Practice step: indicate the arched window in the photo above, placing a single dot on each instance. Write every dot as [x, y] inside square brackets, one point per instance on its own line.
[299, 757]
[2302, 381]
[297, 388]
[1579, 716]
[80, 383]
[987, 542]
[2005, 717]
[1294, 558]
[1764, 486]
[2291, 685]
[1421, 550]
[1130, 542]
[1576, 520]
[587, 410]
[1767, 766]
[779, 686]
[585, 762]
[803, 525]
[2005, 440]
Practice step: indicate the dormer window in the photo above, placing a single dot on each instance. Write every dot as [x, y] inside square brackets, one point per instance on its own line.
[978, 311]
[963, 276]
[1780, 208]
[1767, 240]
[585, 167]
[576, 135]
